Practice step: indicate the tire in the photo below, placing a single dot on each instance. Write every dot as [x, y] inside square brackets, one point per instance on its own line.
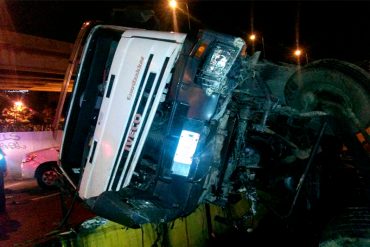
[47, 176]
[350, 229]
[332, 86]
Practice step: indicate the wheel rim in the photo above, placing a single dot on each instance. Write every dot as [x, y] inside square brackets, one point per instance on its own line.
[49, 177]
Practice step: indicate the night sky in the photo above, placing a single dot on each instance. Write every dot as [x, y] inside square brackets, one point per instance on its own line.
[336, 29]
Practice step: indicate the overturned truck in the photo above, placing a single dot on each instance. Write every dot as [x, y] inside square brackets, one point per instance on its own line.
[159, 123]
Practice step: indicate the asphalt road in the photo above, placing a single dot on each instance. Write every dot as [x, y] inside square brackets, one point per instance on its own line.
[33, 215]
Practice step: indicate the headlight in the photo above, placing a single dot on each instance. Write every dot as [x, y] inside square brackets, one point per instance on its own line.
[184, 152]
[220, 61]
[221, 58]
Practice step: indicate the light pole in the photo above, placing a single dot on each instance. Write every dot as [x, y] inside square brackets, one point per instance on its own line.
[188, 15]
[174, 5]
[297, 54]
[252, 38]
[306, 57]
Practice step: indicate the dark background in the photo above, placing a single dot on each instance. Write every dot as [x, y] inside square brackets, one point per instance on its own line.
[336, 29]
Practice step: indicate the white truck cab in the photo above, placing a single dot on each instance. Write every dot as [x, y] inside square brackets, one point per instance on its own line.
[140, 112]
[136, 83]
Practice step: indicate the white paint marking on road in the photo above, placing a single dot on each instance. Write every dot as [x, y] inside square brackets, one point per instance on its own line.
[43, 197]
[23, 183]
[15, 184]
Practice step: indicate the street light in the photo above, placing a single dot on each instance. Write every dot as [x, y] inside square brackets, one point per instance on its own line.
[252, 38]
[174, 5]
[18, 105]
[298, 53]
[257, 38]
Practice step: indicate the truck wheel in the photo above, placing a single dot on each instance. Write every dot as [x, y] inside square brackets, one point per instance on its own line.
[337, 87]
[47, 176]
[351, 228]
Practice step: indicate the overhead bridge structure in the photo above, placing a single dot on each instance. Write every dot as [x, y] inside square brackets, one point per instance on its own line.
[32, 63]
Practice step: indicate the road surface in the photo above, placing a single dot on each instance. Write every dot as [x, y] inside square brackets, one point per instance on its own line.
[33, 214]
